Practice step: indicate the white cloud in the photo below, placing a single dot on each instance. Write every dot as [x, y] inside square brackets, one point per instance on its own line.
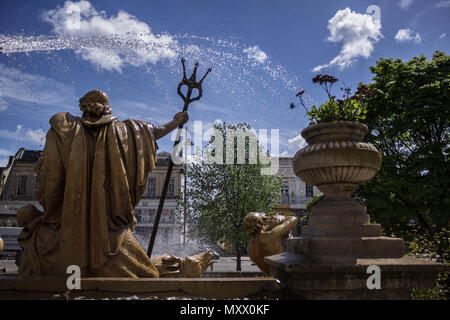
[443, 4]
[289, 146]
[3, 104]
[4, 152]
[442, 36]
[32, 88]
[131, 109]
[405, 35]
[36, 137]
[297, 142]
[200, 106]
[132, 106]
[357, 32]
[404, 4]
[255, 53]
[3, 162]
[112, 41]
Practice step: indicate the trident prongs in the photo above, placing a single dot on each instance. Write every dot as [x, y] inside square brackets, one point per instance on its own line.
[184, 69]
[201, 80]
[191, 83]
[194, 73]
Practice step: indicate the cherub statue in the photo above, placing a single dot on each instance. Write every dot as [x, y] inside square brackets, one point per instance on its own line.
[267, 233]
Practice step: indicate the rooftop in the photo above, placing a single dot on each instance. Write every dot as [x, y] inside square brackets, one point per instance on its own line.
[25, 155]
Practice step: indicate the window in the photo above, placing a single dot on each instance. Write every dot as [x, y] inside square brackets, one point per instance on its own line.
[165, 216]
[151, 214]
[36, 180]
[21, 185]
[138, 215]
[285, 192]
[292, 197]
[171, 190]
[147, 216]
[151, 188]
[309, 190]
[172, 216]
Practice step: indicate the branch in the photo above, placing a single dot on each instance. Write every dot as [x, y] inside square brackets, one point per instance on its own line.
[419, 215]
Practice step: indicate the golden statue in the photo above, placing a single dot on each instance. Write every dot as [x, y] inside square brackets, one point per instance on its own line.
[266, 232]
[93, 173]
[170, 266]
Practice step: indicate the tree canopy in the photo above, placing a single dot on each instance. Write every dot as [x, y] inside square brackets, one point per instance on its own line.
[408, 117]
[223, 191]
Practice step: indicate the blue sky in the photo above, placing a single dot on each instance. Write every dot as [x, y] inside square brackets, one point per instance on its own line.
[262, 52]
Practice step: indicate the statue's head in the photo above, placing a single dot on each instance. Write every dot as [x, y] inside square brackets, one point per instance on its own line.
[96, 103]
[194, 266]
[253, 222]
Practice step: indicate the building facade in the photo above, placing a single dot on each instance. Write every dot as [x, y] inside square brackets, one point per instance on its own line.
[18, 185]
[295, 193]
[169, 229]
[19, 182]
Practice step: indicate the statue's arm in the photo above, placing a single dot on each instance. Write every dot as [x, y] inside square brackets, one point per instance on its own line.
[161, 131]
[282, 229]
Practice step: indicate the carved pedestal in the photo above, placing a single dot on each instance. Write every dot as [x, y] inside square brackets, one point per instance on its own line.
[330, 260]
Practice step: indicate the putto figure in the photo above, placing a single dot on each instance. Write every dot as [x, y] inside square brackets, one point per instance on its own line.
[93, 173]
[266, 232]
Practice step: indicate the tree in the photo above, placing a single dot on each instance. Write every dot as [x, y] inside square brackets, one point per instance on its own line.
[222, 190]
[409, 117]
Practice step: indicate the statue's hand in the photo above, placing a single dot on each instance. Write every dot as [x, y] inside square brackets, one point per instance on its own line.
[181, 117]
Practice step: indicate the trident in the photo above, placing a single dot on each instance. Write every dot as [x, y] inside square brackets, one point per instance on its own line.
[191, 84]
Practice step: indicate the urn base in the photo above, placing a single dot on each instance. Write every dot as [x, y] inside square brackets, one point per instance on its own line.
[347, 249]
[305, 278]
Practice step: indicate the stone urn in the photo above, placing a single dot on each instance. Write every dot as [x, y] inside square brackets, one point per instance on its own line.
[339, 246]
[336, 160]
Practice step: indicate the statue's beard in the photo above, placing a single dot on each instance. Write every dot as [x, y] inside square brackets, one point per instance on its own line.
[96, 108]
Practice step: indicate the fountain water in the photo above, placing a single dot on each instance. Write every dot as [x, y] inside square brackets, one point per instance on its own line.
[239, 90]
[237, 80]
[234, 71]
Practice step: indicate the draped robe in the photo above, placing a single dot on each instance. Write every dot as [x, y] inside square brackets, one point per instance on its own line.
[91, 177]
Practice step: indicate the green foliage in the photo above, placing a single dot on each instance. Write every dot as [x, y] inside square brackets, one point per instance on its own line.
[435, 247]
[439, 292]
[423, 247]
[409, 117]
[314, 201]
[342, 110]
[349, 109]
[221, 195]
